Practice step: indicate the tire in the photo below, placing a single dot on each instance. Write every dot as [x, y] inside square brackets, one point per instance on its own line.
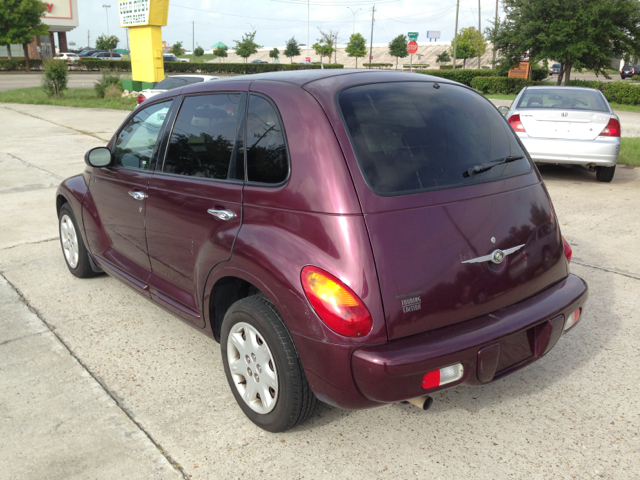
[605, 174]
[74, 251]
[271, 358]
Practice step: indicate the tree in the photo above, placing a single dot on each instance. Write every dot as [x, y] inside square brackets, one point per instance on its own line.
[292, 49]
[220, 52]
[330, 39]
[177, 49]
[357, 47]
[198, 52]
[398, 47]
[274, 54]
[247, 46]
[470, 43]
[107, 43]
[19, 22]
[576, 33]
[443, 57]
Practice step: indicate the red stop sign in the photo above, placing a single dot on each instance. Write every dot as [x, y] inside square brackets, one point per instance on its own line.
[412, 47]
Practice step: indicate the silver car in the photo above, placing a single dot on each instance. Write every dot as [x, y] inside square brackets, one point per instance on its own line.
[567, 125]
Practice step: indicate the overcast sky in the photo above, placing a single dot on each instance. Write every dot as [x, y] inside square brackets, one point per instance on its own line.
[278, 20]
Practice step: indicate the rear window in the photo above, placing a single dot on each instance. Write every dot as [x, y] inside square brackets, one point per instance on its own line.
[411, 137]
[564, 98]
[175, 82]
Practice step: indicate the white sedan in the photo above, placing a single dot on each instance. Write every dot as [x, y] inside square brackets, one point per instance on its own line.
[175, 81]
[70, 57]
[567, 125]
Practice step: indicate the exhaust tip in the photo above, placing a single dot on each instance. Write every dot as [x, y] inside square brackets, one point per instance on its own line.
[423, 403]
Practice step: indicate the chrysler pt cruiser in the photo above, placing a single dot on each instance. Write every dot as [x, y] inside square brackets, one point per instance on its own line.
[358, 238]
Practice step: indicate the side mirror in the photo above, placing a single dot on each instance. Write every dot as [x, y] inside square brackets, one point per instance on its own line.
[98, 157]
[503, 110]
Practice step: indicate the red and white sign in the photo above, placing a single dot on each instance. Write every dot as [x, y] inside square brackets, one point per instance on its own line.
[307, 59]
[412, 47]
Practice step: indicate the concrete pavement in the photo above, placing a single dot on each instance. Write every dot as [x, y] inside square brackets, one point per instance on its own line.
[135, 390]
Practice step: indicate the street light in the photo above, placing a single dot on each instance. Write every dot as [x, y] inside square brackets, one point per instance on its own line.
[354, 17]
[107, 13]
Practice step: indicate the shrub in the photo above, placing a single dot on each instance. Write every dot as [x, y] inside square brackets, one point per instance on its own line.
[56, 76]
[417, 65]
[503, 85]
[239, 68]
[377, 64]
[464, 76]
[538, 74]
[20, 64]
[113, 91]
[95, 64]
[446, 67]
[108, 79]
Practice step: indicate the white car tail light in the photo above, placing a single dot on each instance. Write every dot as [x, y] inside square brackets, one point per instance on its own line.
[612, 129]
[516, 124]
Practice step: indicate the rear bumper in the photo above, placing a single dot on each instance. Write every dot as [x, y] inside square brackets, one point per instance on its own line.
[602, 151]
[489, 347]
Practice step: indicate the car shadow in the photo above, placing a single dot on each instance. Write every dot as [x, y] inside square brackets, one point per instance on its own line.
[575, 173]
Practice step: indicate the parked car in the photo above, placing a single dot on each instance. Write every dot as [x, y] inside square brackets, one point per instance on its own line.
[70, 57]
[567, 125]
[555, 69]
[259, 61]
[346, 237]
[628, 71]
[107, 56]
[89, 53]
[174, 81]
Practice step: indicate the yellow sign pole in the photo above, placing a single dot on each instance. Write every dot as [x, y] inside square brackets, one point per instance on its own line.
[144, 19]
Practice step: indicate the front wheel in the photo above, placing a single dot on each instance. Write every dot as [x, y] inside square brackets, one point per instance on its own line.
[605, 174]
[262, 366]
[75, 252]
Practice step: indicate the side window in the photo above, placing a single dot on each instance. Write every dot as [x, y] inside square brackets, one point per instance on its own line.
[137, 140]
[203, 136]
[266, 150]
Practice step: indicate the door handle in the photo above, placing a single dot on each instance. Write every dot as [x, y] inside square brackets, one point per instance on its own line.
[138, 195]
[225, 215]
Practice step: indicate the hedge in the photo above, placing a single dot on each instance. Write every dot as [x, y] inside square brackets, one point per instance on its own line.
[377, 64]
[501, 84]
[619, 92]
[94, 64]
[464, 76]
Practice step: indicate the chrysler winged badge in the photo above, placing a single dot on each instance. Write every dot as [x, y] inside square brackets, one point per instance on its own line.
[497, 256]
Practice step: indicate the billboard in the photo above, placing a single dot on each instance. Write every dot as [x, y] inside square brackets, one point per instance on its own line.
[433, 34]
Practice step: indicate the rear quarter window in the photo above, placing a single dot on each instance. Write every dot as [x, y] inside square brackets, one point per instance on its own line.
[412, 137]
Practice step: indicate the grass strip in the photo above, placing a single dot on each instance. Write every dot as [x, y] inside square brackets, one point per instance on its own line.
[78, 97]
[629, 152]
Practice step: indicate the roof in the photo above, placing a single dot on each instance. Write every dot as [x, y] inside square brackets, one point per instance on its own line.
[218, 45]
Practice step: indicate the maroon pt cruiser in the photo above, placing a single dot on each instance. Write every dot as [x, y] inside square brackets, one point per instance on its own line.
[357, 237]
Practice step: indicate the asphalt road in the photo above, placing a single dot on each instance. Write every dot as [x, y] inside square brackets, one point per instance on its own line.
[11, 81]
[97, 382]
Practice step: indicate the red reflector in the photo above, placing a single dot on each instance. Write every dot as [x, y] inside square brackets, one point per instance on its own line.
[612, 129]
[335, 303]
[568, 253]
[431, 379]
[141, 98]
[516, 124]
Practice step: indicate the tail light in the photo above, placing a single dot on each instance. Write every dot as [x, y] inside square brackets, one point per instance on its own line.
[568, 253]
[141, 98]
[516, 124]
[572, 319]
[335, 303]
[612, 129]
[443, 376]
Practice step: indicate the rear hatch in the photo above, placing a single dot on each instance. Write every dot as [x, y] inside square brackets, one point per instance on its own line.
[576, 114]
[414, 146]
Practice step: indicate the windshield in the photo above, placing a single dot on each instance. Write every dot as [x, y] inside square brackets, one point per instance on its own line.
[175, 82]
[411, 136]
[564, 98]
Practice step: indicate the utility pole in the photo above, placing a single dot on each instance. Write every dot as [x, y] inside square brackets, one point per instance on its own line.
[455, 38]
[479, 29]
[106, 7]
[335, 52]
[88, 38]
[494, 26]
[193, 40]
[354, 17]
[373, 14]
[307, 28]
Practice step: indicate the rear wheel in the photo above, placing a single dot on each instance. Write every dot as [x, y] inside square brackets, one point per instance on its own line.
[75, 253]
[605, 174]
[262, 366]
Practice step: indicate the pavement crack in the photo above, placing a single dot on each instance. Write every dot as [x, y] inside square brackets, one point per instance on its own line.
[20, 338]
[31, 243]
[104, 386]
[606, 270]
[32, 165]
[54, 123]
